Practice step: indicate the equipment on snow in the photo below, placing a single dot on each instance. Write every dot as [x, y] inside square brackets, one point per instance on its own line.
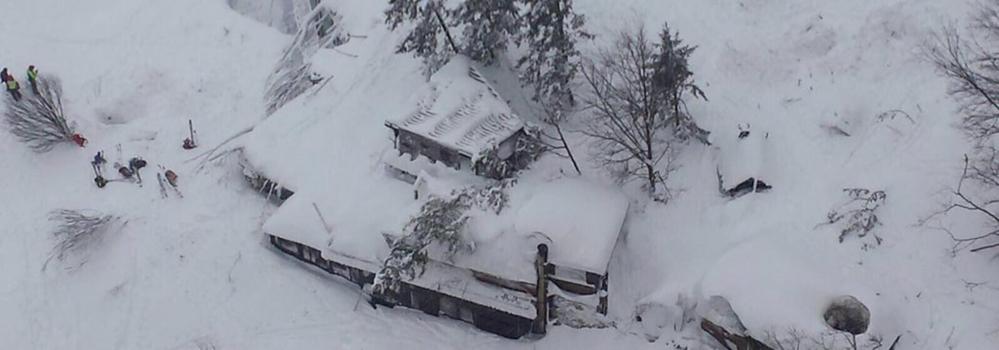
[189, 142]
[79, 140]
[315, 78]
[125, 172]
[159, 179]
[99, 159]
[134, 165]
[171, 177]
[99, 179]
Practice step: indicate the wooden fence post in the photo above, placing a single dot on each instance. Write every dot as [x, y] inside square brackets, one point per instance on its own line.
[541, 303]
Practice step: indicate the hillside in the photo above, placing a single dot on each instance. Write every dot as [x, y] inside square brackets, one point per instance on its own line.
[198, 273]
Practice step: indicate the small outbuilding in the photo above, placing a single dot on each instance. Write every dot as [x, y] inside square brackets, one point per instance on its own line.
[462, 122]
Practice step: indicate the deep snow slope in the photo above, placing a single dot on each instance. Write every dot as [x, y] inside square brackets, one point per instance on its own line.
[195, 272]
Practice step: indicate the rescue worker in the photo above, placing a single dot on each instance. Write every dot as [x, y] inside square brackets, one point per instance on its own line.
[13, 88]
[33, 78]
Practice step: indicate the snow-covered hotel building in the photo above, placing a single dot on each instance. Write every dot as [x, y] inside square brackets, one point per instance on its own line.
[550, 246]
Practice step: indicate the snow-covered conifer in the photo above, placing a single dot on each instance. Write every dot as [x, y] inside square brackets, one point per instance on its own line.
[439, 225]
[488, 27]
[429, 38]
[440, 221]
[39, 120]
[672, 80]
[552, 59]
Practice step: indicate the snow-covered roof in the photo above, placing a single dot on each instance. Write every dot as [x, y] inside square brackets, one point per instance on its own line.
[582, 219]
[579, 220]
[461, 111]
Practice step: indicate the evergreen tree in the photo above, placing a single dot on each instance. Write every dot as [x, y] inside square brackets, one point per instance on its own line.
[429, 39]
[552, 59]
[488, 27]
[672, 79]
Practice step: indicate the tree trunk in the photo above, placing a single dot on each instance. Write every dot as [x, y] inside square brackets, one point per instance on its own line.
[447, 32]
[567, 150]
[652, 178]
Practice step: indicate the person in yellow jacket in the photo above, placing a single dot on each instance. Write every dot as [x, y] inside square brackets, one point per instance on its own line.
[13, 87]
[33, 78]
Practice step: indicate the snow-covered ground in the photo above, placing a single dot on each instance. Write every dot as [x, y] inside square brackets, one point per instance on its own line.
[196, 272]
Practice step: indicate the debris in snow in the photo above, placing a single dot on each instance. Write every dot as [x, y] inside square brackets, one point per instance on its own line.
[159, 179]
[719, 311]
[731, 340]
[291, 76]
[77, 232]
[859, 212]
[98, 165]
[190, 143]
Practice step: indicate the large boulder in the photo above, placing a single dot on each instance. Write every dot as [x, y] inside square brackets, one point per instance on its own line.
[847, 314]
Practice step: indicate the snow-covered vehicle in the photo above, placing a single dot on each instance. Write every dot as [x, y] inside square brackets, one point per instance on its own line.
[742, 167]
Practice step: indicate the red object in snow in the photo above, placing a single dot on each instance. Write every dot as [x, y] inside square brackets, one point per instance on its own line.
[79, 140]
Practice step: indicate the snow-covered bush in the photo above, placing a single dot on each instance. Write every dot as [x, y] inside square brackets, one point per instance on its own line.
[439, 225]
[291, 77]
[858, 216]
[527, 149]
[38, 119]
[77, 233]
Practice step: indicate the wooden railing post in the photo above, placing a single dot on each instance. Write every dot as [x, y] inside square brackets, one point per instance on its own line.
[541, 302]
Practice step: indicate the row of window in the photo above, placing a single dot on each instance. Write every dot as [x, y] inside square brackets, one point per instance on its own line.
[426, 300]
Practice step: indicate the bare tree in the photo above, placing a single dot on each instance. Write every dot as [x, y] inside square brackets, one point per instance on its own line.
[972, 65]
[629, 118]
[985, 208]
[77, 231]
[38, 119]
[557, 143]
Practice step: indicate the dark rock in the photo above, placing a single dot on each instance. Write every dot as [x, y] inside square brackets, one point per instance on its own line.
[847, 314]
